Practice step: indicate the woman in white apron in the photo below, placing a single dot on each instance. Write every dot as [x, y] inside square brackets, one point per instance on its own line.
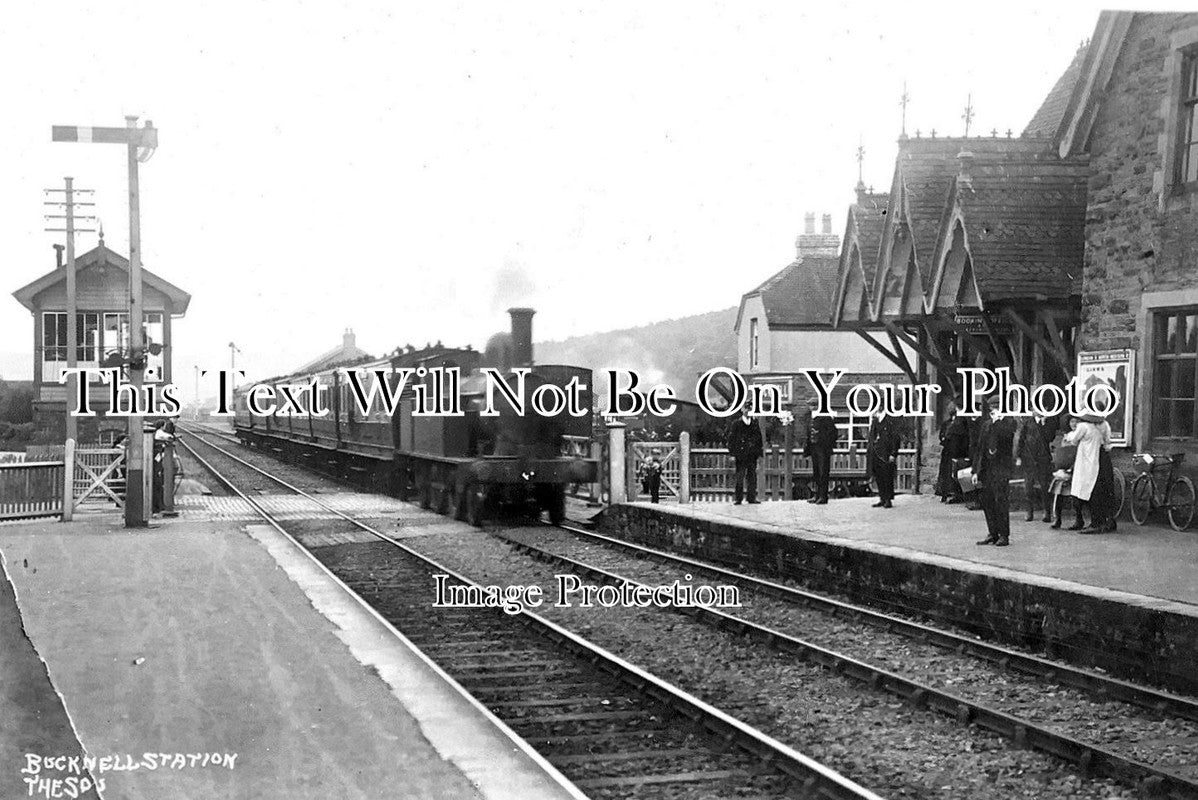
[1092, 437]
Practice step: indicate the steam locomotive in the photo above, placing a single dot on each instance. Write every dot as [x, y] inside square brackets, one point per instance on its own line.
[469, 466]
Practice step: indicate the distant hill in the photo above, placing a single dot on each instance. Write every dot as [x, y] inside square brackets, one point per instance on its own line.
[673, 352]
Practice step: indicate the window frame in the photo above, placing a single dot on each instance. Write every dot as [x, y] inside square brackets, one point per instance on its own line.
[1186, 108]
[1159, 426]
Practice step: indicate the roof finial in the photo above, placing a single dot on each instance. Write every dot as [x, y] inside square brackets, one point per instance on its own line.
[100, 225]
[968, 115]
[860, 162]
[906, 98]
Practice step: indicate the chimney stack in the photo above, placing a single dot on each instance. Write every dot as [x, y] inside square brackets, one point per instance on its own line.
[811, 243]
[521, 336]
[58, 248]
[348, 340]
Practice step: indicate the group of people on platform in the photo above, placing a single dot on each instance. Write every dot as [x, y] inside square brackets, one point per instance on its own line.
[1054, 464]
[988, 451]
[745, 446]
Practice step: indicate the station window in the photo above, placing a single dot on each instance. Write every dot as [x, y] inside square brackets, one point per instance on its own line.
[1175, 372]
[1187, 143]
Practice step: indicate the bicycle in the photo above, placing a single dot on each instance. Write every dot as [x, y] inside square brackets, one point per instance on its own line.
[1177, 497]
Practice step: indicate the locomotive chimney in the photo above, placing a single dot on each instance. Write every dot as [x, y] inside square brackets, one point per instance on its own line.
[521, 336]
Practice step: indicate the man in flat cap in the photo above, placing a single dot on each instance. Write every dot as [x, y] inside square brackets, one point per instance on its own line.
[993, 466]
[821, 441]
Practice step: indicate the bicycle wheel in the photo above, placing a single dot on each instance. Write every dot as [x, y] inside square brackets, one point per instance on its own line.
[1143, 490]
[1120, 487]
[1181, 503]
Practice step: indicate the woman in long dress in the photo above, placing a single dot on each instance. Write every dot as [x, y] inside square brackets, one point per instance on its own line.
[1092, 473]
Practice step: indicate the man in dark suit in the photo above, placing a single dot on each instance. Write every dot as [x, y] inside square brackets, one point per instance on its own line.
[821, 441]
[994, 465]
[883, 457]
[1033, 453]
[744, 444]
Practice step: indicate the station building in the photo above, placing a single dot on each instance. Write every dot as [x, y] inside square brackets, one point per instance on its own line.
[102, 331]
[784, 326]
[1065, 251]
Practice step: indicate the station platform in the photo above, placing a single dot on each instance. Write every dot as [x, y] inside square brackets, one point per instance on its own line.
[1125, 601]
[210, 657]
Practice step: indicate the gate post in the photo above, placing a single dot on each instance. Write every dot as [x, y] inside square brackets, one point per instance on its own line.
[168, 479]
[68, 480]
[147, 474]
[618, 492]
[684, 467]
[788, 475]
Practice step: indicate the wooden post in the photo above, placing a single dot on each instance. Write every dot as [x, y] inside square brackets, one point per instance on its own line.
[147, 476]
[68, 480]
[137, 503]
[72, 322]
[168, 480]
[788, 467]
[684, 467]
[618, 492]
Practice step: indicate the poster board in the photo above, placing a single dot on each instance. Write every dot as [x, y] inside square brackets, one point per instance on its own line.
[1117, 369]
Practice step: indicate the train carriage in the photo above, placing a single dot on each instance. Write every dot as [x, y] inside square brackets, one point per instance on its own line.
[468, 465]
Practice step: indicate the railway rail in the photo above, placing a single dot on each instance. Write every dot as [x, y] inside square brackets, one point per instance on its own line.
[770, 627]
[613, 729]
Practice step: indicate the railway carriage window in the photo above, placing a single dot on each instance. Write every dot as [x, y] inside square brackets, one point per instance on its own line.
[1175, 373]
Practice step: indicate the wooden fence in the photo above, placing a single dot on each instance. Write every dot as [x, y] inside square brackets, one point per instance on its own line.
[37, 488]
[713, 474]
[31, 489]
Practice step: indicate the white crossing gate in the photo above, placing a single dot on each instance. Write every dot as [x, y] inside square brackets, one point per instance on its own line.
[642, 454]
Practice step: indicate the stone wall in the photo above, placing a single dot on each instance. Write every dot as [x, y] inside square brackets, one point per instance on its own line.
[1130, 245]
[1138, 640]
[1141, 236]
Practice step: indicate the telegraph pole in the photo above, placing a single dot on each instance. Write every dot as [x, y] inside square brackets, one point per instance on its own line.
[137, 496]
[68, 203]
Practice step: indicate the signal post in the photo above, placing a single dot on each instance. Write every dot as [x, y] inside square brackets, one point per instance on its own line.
[140, 144]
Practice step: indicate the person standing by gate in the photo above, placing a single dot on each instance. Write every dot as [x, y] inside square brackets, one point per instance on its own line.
[821, 441]
[995, 462]
[883, 457]
[744, 444]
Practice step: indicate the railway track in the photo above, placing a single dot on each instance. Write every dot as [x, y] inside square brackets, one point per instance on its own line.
[613, 729]
[884, 662]
[1151, 745]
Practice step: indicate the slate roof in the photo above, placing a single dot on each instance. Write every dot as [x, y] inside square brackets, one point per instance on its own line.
[337, 356]
[1047, 119]
[802, 293]
[870, 215]
[1025, 226]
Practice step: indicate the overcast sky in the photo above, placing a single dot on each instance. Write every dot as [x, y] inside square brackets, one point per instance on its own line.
[411, 170]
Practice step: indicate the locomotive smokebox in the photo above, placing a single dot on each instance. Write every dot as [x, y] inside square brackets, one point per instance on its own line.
[521, 336]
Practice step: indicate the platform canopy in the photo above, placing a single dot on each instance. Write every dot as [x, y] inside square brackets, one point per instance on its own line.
[974, 257]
